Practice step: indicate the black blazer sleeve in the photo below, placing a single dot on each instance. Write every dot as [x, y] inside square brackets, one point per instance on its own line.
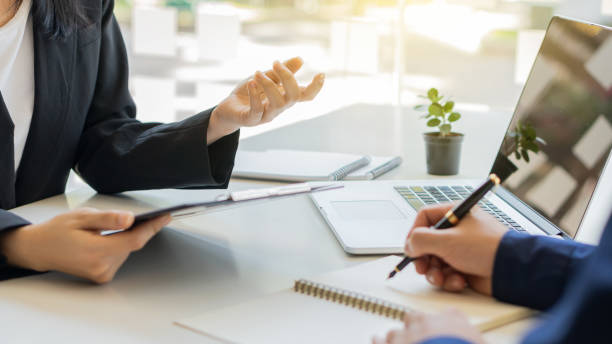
[84, 118]
[10, 221]
[118, 153]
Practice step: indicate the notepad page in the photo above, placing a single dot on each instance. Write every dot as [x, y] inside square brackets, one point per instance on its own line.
[412, 290]
[289, 317]
[290, 165]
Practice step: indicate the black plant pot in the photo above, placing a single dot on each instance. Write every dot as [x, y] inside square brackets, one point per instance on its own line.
[443, 153]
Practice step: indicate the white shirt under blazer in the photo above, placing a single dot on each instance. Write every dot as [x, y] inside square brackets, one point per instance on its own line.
[17, 74]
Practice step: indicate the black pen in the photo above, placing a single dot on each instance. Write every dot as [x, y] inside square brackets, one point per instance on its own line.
[453, 216]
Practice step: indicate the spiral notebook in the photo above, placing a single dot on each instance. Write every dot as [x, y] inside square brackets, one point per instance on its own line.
[346, 306]
[298, 166]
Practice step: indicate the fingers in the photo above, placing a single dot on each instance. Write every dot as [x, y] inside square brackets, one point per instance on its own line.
[454, 282]
[435, 275]
[294, 64]
[257, 107]
[269, 87]
[424, 240]
[393, 336]
[117, 248]
[310, 92]
[93, 219]
[290, 85]
[412, 318]
[429, 216]
[440, 274]
[421, 265]
[137, 237]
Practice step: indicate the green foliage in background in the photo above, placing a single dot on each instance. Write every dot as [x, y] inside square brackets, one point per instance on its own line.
[181, 5]
[525, 140]
[440, 113]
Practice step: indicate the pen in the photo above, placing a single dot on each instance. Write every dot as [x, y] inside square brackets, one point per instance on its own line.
[380, 170]
[453, 216]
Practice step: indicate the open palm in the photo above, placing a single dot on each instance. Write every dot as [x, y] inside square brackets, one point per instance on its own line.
[262, 97]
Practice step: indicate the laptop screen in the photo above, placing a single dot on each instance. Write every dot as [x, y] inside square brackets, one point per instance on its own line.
[560, 136]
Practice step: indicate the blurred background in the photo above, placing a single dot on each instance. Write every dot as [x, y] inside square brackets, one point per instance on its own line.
[187, 55]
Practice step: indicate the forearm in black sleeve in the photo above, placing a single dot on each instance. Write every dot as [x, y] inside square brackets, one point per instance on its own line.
[118, 153]
[533, 271]
[8, 222]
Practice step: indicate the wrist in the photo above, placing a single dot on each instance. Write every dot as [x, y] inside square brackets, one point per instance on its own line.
[218, 127]
[18, 248]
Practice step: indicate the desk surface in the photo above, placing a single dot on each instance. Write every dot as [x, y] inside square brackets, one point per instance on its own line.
[219, 259]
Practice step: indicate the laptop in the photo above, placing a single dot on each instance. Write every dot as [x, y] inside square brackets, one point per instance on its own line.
[566, 103]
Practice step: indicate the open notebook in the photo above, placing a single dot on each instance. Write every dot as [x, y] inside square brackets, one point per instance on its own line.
[298, 166]
[346, 306]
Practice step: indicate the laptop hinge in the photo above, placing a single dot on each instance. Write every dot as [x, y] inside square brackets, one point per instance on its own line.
[527, 211]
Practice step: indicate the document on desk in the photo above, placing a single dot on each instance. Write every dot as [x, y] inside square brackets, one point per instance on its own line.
[229, 199]
[346, 306]
[295, 165]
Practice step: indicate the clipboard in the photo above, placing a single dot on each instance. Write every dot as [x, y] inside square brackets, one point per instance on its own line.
[232, 198]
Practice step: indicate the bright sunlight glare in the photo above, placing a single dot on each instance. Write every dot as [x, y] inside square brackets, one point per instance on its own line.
[459, 26]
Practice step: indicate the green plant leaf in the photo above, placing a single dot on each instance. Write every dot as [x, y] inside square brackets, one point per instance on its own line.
[445, 129]
[419, 107]
[525, 154]
[432, 94]
[434, 122]
[530, 132]
[436, 110]
[453, 117]
[448, 107]
[532, 146]
[517, 155]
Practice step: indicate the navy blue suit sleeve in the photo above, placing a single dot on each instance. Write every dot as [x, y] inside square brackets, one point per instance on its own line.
[583, 313]
[534, 271]
[445, 340]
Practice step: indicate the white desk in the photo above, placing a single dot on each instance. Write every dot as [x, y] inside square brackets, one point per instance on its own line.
[221, 258]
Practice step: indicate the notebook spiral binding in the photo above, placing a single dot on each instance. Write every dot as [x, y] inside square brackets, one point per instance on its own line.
[351, 299]
[342, 172]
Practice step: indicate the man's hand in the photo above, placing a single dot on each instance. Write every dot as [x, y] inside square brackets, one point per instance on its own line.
[72, 243]
[261, 98]
[419, 327]
[459, 256]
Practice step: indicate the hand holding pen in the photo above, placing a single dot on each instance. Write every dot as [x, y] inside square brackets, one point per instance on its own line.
[452, 217]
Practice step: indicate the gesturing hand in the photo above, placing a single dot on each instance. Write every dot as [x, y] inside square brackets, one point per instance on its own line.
[72, 243]
[260, 98]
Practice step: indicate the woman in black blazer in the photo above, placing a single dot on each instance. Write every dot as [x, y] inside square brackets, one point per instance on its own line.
[84, 118]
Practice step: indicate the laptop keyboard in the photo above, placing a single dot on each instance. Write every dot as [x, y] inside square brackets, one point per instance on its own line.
[420, 196]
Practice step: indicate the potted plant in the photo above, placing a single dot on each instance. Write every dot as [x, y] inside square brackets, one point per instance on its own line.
[443, 147]
[518, 142]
